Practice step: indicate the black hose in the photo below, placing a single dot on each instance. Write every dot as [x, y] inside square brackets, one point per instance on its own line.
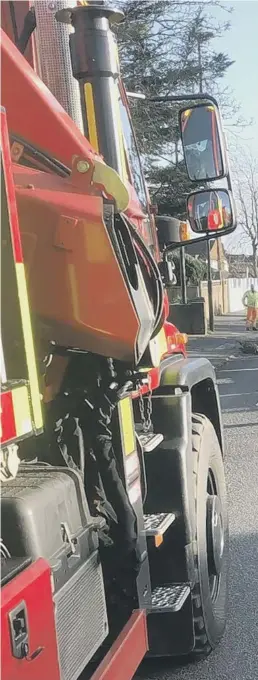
[156, 278]
[13, 20]
[42, 157]
[28, 28]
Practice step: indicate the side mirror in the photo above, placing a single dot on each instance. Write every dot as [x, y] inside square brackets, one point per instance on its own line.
[203, 142]
[211, 211]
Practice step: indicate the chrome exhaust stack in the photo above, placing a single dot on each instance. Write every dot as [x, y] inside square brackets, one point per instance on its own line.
[95, 66]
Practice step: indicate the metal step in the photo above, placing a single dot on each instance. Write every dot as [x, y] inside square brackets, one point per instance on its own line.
[156, 525]
[170, 597]
[149, 440]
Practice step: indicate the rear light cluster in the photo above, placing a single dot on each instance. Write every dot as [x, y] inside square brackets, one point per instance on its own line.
[177, 339]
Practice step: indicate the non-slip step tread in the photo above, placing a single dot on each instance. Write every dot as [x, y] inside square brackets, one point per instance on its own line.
[170, 597]
[150, 440]
[157, 524]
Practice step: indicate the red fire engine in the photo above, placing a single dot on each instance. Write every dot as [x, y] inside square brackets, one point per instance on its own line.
[114, 523]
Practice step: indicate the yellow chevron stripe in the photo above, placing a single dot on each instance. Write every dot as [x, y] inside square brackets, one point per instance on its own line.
[29, 346]
[2, 364]
[91, 119]
[127, 425]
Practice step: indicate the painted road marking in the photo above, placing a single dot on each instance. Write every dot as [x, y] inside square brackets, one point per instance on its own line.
[237, 370]
[240, 409]
[240, 394]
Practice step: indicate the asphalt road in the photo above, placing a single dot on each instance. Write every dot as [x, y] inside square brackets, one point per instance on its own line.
[219, 346]
[236, 658]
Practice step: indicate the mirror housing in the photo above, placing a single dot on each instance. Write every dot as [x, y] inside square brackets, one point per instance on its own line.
[167, 271]
[211, 211]
[203, 142]
[218, 226]
[171, 230]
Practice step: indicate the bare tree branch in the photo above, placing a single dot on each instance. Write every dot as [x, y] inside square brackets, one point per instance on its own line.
[246, 183]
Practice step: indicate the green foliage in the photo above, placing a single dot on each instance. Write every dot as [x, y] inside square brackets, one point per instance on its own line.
[166, 48]
[195, 269]
[169, 187]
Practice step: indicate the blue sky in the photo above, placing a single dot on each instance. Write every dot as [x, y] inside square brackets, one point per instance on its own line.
[241, 45]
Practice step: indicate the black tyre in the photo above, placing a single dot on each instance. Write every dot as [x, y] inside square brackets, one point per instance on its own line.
[211, 537]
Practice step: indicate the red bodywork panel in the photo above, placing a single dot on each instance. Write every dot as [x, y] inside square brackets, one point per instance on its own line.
[10, 191]
[8, 427]
[63, 235]
[32, 587]
[34, 114]
[127, 651]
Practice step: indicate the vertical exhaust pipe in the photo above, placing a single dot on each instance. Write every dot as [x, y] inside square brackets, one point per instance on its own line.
[95, 66]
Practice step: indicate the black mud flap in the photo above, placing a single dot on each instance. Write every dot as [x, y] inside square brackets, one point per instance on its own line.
[169, 467]
[171, 633]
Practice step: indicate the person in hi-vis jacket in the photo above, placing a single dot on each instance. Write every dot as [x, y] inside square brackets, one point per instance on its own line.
[250, 300]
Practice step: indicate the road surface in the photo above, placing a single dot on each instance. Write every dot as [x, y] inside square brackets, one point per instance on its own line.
[237, 656]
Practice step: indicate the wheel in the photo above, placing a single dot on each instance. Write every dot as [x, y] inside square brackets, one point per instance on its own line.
[211, 537]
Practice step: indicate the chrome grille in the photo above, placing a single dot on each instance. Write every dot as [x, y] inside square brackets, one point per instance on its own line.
[81, 618]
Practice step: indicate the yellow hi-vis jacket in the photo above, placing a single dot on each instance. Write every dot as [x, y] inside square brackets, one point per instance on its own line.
[250, 299]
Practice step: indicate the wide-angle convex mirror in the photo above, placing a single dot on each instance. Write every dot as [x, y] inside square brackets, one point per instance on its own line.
[210, 210]
[203, 142]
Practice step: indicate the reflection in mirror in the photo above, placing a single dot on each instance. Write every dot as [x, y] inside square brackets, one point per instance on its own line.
[202, 142]
[210, 211]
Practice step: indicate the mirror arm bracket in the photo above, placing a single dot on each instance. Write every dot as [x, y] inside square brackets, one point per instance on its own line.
[184, 98]
[173, 246]
[206, 237]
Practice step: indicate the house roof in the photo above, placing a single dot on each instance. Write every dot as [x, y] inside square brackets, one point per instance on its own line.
[239, 257]
[198, 249]
[238, 264]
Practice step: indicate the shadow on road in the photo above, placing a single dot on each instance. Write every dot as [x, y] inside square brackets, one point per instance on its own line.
[236, 658]
[229, 323]
[233, 426]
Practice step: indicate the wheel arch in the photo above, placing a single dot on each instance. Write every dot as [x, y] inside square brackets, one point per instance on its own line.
[205, 401]
[198, 376]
